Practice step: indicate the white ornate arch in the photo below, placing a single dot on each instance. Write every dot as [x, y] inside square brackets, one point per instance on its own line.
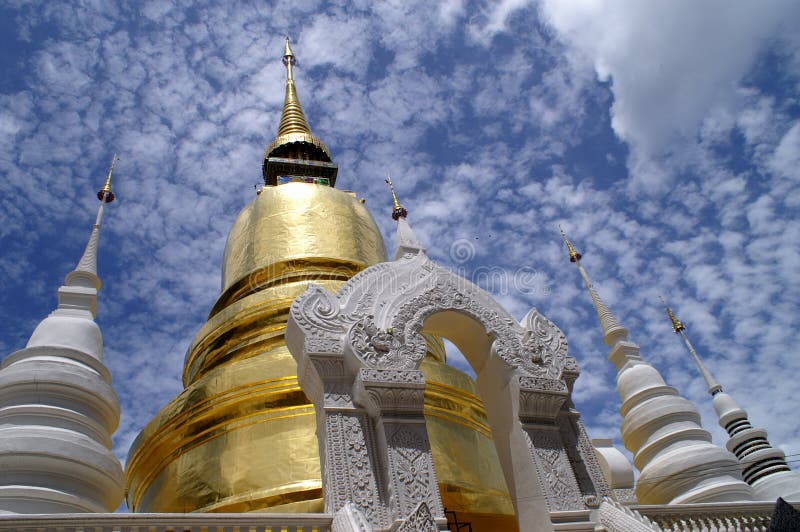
[358, 354]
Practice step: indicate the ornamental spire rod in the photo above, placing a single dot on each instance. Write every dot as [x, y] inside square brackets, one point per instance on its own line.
[88, 262]
[407, 241]
[613, 331]
[678, 328]
[574, 256]
[295, 152]
[677, 325]
[293, 119]
[398, 211]
[288, 60]
[105, 194]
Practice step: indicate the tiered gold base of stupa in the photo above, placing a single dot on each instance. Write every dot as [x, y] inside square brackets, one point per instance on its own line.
[241, 437]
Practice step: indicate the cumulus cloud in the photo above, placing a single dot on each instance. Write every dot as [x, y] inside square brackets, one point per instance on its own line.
[670, 65]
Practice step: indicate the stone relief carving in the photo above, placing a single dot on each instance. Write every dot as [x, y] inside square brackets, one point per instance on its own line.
[365, 345]
[591, 480]
[539, 348]
[350, 477]
[415, 479]
[350, 519]
[317, 312]
[420, 520]
[538, 383]
[412, 377]
[625, 496]
[376, 348]
[338, 394]
[554, 470]
[385, 391]
[544, 339]
[540, 399]
[579, 466]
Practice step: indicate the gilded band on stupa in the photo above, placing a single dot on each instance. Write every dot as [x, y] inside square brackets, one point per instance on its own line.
[241, 436]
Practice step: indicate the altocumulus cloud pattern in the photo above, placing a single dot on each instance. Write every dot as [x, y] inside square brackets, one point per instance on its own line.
[665, 138]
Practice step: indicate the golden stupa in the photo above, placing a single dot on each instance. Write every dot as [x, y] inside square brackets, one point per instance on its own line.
[241, 437]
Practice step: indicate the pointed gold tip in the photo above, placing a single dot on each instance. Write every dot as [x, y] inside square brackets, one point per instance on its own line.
[293, 119]
[397, 210]
[294, 139]
[574, 256]
[288, 58]
[105, 194]
[677, 326]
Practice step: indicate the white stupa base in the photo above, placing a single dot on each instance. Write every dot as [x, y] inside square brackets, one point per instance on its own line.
[784, 484]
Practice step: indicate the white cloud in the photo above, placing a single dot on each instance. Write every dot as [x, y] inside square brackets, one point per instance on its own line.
[670, 65]
[786, 158]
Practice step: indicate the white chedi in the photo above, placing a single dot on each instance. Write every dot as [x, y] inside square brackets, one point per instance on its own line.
[676, 460]
[58, 409]
[763, 466]
[678, 464]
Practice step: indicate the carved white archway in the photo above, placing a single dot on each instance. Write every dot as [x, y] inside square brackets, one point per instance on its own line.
[358, 354]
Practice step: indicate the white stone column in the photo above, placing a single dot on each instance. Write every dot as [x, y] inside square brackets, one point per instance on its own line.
[346, 438]
[394, 399]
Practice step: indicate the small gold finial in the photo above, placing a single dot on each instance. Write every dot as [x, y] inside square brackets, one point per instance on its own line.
[398, 211]
[288, 59]
[293, 119]
[105, 194]
[294, 140]
[574, 256]
[677, 326]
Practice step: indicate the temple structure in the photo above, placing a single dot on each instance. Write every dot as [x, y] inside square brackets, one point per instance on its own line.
[205, 451]
[676, 460]
[763, 466]
[57, 407]
[317, 397]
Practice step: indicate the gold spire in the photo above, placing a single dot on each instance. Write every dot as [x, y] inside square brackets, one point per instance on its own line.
[288, 60]
[613, 330]
[87, 265]
[574, 256]
[713, 386]
[293, 120]
[295, 150]
[105, 194]
[677, 326]
[398, 211]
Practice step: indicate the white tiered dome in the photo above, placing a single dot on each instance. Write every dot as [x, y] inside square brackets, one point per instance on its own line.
[58, 409]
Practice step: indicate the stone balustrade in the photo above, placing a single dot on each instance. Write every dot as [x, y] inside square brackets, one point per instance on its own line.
[714, 517]
[192, 522]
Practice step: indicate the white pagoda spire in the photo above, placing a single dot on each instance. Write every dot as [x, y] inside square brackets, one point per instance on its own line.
[674, 454]
[407, 241]
[57, 407]
[763, 466]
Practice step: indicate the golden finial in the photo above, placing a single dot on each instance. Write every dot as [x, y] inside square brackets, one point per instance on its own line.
[288, 59]
[398, 211]
[294, 140]
[574, 256]
[105, 194]
[293, 120]
[677, 326]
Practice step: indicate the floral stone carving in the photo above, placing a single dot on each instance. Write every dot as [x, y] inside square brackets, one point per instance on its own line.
[358, 353]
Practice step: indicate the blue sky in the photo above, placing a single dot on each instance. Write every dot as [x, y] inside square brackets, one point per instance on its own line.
[664, 136]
